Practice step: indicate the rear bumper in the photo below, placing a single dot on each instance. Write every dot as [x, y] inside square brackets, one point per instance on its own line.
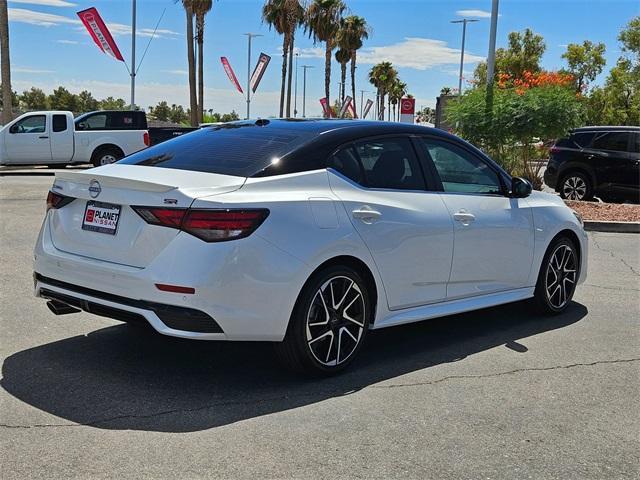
[551, 176]
[244, 289]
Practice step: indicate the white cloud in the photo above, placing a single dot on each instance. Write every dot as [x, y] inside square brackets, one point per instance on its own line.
[43, 19]
[48, 3]
[176, 72]
[67, 42]
[474, 13]
[417, 53]
[30, 70]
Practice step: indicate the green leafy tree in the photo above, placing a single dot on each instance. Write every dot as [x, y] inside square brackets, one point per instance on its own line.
[86, 102]
[585, 61]
[177, 114]
[161, 111]
[629, 37]
[34, 99]
[343, 57]
[63, 99]
[14, 100]
[353, 32]
[426, 115]
[382, 76]
[111, 103]
[523, 54]
[230, 117]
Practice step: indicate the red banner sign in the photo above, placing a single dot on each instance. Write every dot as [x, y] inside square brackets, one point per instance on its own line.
[408, 106]
[367, 107]
[258, 72]
[230, 74]
[325, 107]
[99, 32]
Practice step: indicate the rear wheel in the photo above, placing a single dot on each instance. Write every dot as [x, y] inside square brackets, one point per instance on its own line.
[329, 323]
[558, 277]
[105, 156]
[576, 186]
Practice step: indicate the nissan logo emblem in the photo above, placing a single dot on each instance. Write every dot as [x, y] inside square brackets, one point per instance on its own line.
[94, 188]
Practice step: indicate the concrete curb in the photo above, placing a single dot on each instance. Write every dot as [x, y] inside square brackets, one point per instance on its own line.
[612, 227]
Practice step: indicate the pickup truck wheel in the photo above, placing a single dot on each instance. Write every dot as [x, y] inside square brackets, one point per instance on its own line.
[105, 156]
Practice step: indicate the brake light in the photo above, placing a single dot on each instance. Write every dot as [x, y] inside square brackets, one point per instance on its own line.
[55, 200]
[554, 149]
[207, 225]
[145, 138]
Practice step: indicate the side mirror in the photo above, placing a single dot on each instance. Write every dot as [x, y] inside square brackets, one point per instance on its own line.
[81, 126]
[520, 188]
[15, 128]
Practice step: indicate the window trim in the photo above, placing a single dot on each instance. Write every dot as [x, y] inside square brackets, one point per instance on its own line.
[26, 118]
[428, 183]
[499, 172]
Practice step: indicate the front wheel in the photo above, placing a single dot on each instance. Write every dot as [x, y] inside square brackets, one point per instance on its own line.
[558, 277]
[329, 322]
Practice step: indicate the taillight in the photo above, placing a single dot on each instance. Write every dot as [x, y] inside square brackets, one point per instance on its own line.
[55, 200]
[145, 138]
[554, 149]
[208, 225]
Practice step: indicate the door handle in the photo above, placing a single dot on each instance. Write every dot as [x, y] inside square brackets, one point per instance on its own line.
[464, 217]
[366, 214]
[43, 136]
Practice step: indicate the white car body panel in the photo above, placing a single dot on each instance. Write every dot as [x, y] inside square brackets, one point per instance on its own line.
[250, 285]
[68, 146]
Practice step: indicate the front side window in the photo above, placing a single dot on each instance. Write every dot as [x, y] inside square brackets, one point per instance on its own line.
[461, 171]
[390, 163]
[32, 124]
[615, 141]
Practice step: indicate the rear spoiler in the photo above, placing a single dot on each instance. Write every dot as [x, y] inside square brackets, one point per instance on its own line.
[86, 177]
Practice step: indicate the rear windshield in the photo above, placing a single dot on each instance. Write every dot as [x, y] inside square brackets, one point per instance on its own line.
[239, 149]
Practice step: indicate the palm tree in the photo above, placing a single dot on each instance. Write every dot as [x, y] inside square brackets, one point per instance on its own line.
[398, 90]
[353, 31]
[284, 16]
[323, 22]
[382, 76]
[200, 9]
[343, 57]
[7, 96]
[193, 100]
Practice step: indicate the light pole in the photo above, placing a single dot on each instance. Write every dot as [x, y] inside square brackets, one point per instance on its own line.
[249, 37]
[491, 59]
[362, 92]
[295, 90]
[464, 22]
[304, 89]
[133, 54]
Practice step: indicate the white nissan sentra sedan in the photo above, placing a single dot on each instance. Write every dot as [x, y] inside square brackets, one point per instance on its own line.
[307, 233]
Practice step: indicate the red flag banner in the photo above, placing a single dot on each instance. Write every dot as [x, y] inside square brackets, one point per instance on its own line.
[230, 74]
[99, 32]
[345, 106]
[258, 72]
[352, 108]
[367, 107]
[325, 107]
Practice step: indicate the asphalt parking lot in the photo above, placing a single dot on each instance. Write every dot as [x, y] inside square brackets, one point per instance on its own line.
[500, 393]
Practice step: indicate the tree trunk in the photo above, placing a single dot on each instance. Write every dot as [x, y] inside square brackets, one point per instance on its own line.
[394, 112]
[353, 81]
[327, 74]
[7, 100]
[193, 101]
[343, 81]
[290, 75]
[200, 24]
[389, 108]
[285, 50]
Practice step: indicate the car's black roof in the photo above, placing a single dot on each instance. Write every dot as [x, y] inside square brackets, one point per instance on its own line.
[609, 128]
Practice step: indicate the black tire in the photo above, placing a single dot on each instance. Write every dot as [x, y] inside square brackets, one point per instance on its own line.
[106, 155]
[576, 186]
[308, 338]
[560, 269]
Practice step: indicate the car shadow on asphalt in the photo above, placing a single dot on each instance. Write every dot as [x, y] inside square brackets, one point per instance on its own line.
[122, 377]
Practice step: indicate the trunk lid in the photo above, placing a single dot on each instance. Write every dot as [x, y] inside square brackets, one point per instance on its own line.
[135, 242]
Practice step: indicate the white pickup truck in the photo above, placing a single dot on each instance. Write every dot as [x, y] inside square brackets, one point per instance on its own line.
[55, 138]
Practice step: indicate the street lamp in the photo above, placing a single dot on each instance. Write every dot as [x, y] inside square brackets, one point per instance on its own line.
[295, 92]
[464, 22]
[362, 92]
[249, 37]
[304, 89]
[491, 59]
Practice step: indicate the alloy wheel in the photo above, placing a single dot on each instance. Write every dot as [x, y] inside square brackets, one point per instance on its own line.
[560, 278]
[107, 159]
[335, 321]
[574, 188]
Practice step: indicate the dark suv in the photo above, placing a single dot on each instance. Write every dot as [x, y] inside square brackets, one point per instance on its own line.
[602, 161]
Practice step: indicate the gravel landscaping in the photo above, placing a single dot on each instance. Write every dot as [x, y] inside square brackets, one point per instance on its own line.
[606, 212]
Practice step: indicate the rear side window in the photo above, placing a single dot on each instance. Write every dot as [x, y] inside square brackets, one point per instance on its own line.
[125, 121]
[390, 163]
[346, 162]
[59, 123]
[239, 149]
[582, 139]
[615, 141]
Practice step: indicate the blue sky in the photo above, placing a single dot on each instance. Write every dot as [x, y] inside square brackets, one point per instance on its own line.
[50, 48]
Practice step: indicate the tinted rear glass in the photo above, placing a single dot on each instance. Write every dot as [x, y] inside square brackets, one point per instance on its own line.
[236, 149]
[583, 139]
[616, 141]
